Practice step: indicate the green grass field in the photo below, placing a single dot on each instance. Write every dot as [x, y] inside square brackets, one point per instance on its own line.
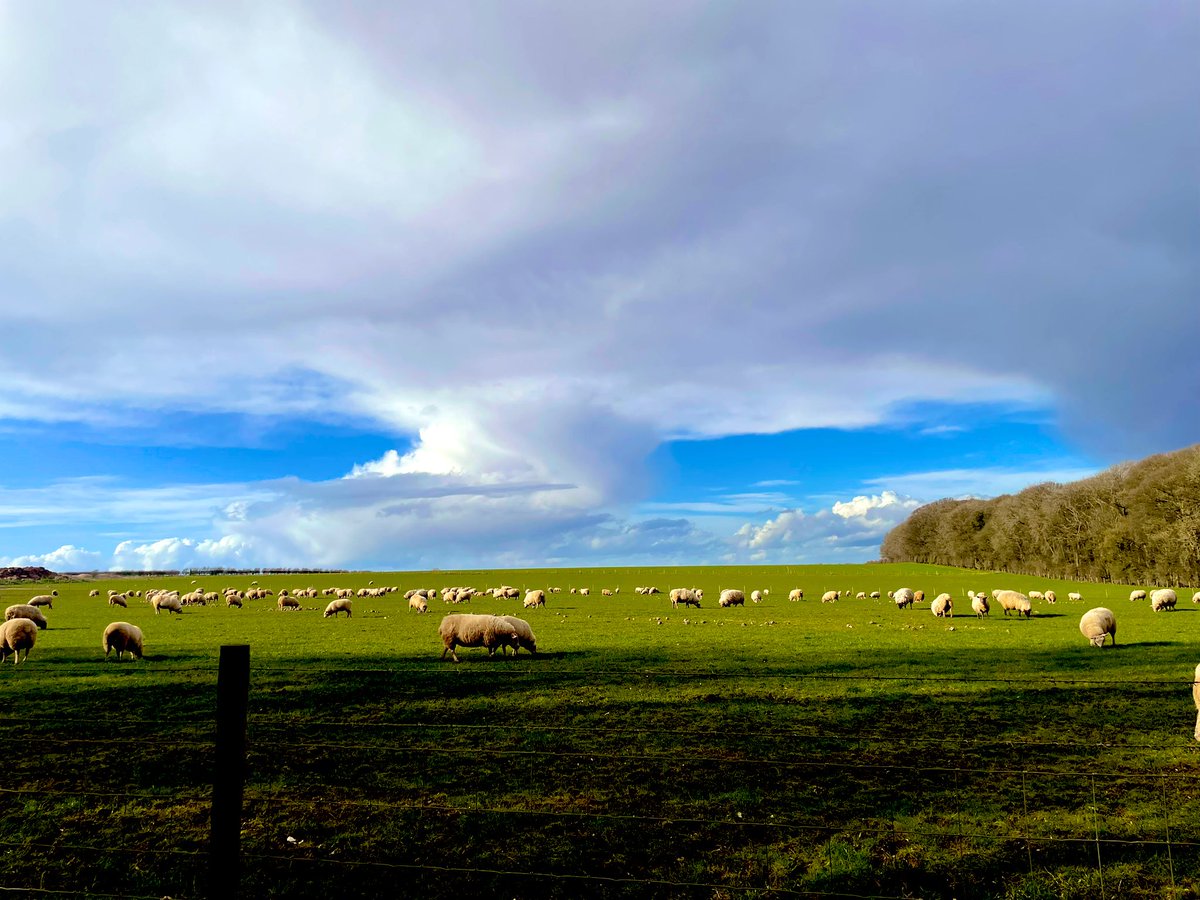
[846, 749]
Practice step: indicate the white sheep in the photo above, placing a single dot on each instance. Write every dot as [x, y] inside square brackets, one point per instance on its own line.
[903, 597]
[1196, 698]
[1196, 597]
[418, 603]
[122, 636]
[830, 596]
[731, 597]
[285, 603]
[861, 595]
[476, 630]
[335, 607]
[756, 596]
[17, 635]
[525, 638]
[942, 607]
[585, 591]
[1163, 599]
[534, 598]
[606, 592]
[979, 603]
[686, 596]
[1051, 597]
[796, 594]
[117, 600]
[93, 593]
[875, 595]
[46, 600]
[232, 601]
[1137, 595]
[170, 602]
[25, 611]
[1074, 596]
[1014, 601]
[1035, 595]
[1098, 623]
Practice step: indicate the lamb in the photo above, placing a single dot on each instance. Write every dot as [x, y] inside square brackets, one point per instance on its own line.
[1163, 599]
[284, 603]
[476, 630]
[418, 603]
[796, 594]
[1014, 601]
[1137, 595]
[830, 597]
[942, 607]
[525, 637]
[730, 597]
[1096, 624]
[334, 607]
[25, 611]
[979, 603]
[122, 636]
[903, 597]
[46, 600]
[1074, 596]
[17, 635]
[686, 596]
[534, 598]
[170, 602]
[117, 600]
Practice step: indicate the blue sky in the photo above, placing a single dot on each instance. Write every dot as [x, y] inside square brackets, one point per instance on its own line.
[359, 285]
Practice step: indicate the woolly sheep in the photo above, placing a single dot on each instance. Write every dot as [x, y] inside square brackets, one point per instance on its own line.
[1074, 596]
[1196, 698]
[525, 638]
[476, 630]
[1014, 601]
[606, 592]
[585, 591]
[292, 603]
[796, 594]
[418, 603]
[979, 603]
[756, 596]
[1196, 597]
[25, 611]
[1096, 624]
[17, 635]
[170, 602]
[232, 601]
[730, 597]
[875, 595]
[1051, 597]
[1035, 595]
[122, 636]
[861, 595]
[830, 597]
[903, 597]
[117, 600]
[918, 596]
[93, 593]
[534, 598]
[1163, 599]
[334, 607]
[686, 596]
[1137, 595]
[46, 600]
[942, 607]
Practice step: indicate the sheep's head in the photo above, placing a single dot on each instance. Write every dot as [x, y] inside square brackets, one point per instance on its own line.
[1098, 639]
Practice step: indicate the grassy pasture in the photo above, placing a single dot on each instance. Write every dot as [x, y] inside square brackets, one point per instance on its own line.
[819, 749]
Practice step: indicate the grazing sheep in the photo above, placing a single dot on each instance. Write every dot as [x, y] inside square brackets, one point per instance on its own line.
[686, 596]
[1051, 597]
[534, 598]
[585, 591]
[1096, 624]
[1014, 601]
[232, 601]
[1035, 595]
[17, 635]
[93, 593]
[979, 603]
[796, 594]
[25, 611]
[918, 596]
[170, 602]
[1196, 698]
[117, 600]
[122, 636]
[606, 592]
[942, 607]
[525, 637]
[875, 595]
[292, 603]
[1137, 595]
[903, 597]
[730, 597]
[756, 596]
[1163, 599]
[830, 596]
[46, 600]
[1196, 597]
[476, 630]
[861, 595]
[1074, 596]
[418, 603]
[334, 607]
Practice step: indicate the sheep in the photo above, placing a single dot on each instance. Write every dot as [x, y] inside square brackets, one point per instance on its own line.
[534, 598]
[46, 600]
[232, 601]
[418, 603]
[1134, 596]
[795, 594]
[94, 593]
[17, 635]
[731, 597]
[979, 603]
[334, 607]
[1163, 599]
[756, 596]
[122, 636]
[830, 597]
[874, 595]
[1035, 595]
[117, 600]
[1014, 601]
[918, 596]
[476, 630]
[525, 637]
[1074, 596]
[942, 607]
[1051, 597]
[903, 597]
[1096, 624]
[25, 611]
[652, 590]
[170, 602]
[585, 591]
[606, 592]
[686, 596]
[284, 603]
[861, 595]
[1196, 597]
[1196, 698]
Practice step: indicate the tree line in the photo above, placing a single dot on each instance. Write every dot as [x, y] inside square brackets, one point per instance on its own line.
[1136, 523]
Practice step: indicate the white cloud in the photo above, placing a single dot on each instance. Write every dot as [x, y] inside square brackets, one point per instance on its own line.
[983, 482]
[179, 553]
[862, 506]
[67, 558]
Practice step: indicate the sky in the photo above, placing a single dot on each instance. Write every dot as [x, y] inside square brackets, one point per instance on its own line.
[499, 284]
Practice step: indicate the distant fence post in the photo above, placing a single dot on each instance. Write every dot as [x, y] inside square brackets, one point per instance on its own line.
[233, 689]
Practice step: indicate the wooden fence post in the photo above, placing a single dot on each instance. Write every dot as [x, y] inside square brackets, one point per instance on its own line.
[224, 853]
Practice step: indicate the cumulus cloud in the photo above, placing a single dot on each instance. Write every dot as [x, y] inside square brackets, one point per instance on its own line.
[179, 553]
[67, 558]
